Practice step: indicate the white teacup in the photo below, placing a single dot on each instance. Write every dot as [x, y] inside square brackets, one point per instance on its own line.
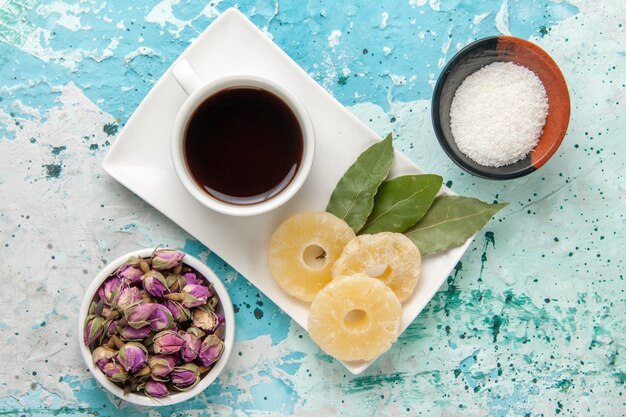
[198, 93]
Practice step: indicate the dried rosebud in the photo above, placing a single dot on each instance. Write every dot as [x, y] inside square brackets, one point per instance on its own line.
[130, 273]
[93, 329]
[162, 366]
[109, 290]
[179, 313]
[138, 315]
[192, 278]
[167, 342]
[102, 355]
[131, 334]
[213, 302]
[115, 372]
[174, 282]
[185, 377]
[127, 296]
[210, 350]
[191, 348]
[110, 328]
[166, 259]
[155, 389]
[205, 318]
[161, 319]
[132, 356]
[195, 295]
[154, 283]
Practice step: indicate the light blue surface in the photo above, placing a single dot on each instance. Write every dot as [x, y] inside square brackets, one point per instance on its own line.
[530, 323]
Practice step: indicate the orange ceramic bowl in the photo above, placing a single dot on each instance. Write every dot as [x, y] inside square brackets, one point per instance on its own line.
[503, 49]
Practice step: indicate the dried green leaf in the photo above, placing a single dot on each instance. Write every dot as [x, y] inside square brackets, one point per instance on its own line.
[450, 221]
[402, 202]
[353, 197]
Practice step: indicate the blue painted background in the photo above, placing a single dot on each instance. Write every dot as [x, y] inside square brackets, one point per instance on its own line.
[530, 323]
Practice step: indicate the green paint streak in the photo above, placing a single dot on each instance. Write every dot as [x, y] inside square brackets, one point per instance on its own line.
[496, 322]
[53, 170]
[93, 147]
[342, 80]
[489, 238]
[110, 129]
[601, 337]
[563, 384]
[365, 383]
[620, 376]
[457, 372]
[56, 150]
[52, 412]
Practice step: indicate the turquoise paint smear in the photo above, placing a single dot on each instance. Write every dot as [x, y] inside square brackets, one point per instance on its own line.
[296, 29]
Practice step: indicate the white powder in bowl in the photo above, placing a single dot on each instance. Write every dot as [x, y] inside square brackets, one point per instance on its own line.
[498, 113]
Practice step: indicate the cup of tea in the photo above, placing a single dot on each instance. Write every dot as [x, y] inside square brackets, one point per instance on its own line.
[241, 145]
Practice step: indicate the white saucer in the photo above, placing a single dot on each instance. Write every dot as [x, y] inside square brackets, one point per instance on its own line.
[140, 159]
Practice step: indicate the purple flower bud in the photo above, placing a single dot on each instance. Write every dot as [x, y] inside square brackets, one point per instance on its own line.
[109, 290]
[138, 315]
[127, 296]
[210, 350]
[130, 274]
[155, 389]
[110, 327]
[191, 348]
[162, 366]
[195, 295]
[179, 313]
[93, 329]
[131, 334]
[186, 376]
[132, 356]
[161, 319]
[166, 259]
[205, 318]
[174, 282]
[102, 355]
[192, 278]
[167, 342]
[154, 283]
[115, 372]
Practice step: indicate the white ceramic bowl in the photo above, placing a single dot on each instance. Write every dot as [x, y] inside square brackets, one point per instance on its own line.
[198, 97]
[225, 307]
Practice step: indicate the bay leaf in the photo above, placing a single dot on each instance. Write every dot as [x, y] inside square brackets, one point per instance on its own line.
[450, 221]
[353, 197]
[402, 202]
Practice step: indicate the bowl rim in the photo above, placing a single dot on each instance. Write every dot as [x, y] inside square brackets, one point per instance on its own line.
[435, 106]
[229, 317]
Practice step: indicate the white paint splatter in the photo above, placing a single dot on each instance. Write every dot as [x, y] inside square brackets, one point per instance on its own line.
[435, 5]
[397, 79]
[141, 51]
[502, 19]
[386, 50]
[480, 17]
[334, 38]
[418, 3]
[163, 14]
[68, 15]
[383, 20]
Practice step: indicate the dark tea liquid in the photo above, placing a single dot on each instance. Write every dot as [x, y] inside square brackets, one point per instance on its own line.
[243, 145]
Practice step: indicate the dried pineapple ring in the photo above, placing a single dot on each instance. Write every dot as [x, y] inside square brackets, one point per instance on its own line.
[355, 318]
[303, 249]
[390, 257]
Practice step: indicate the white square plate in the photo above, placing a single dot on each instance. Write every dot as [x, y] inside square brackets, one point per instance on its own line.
[233, 45]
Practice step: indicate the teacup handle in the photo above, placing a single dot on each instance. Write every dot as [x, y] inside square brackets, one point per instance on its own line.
[186, 76]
